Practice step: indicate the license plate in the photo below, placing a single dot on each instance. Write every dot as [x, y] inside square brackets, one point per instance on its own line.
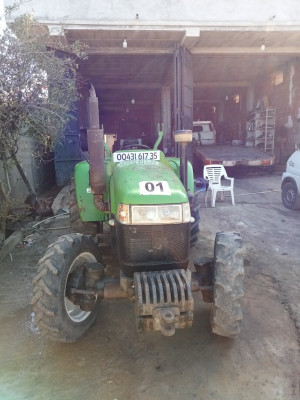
[136, 156]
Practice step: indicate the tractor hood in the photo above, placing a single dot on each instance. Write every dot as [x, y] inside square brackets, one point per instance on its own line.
[145, 183]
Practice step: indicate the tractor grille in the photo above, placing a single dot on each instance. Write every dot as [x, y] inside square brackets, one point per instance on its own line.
[152, 247]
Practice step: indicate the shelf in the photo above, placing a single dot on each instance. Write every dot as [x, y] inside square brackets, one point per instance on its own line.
[261, 129]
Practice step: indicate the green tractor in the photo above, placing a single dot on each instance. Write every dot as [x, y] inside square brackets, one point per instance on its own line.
[143, 213]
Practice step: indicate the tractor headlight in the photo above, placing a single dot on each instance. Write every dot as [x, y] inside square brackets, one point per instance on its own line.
[143, 214]
[154, 214]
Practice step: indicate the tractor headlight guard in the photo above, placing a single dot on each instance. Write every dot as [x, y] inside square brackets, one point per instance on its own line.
[154, 214]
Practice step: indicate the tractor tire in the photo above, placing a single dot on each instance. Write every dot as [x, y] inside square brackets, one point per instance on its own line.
[227, 312]
[56, 316]
[195, 227]
[195, 213]
[86, 228]
[290, 196]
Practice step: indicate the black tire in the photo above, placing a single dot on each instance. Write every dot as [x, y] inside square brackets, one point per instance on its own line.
[226, 312]
[87, 228]
[195, 227]
[198, 166]
[56, 316]
[290, 196]
[270, 169]
[236, 172]
[195, 213]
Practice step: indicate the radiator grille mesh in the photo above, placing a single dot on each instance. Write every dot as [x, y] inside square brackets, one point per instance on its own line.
[143, 245]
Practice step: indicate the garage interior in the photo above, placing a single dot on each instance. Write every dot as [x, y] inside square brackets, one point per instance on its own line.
[145, 77]
[232, 72]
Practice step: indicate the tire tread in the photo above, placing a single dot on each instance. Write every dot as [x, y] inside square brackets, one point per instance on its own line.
[226, 314]
[46, 288]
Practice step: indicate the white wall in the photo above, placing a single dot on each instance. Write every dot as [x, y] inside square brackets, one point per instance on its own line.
[218, 13]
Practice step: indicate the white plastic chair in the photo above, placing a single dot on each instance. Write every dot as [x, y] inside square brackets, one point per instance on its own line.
[213, 173]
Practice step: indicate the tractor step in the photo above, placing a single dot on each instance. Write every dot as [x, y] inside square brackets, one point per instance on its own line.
[164, 301]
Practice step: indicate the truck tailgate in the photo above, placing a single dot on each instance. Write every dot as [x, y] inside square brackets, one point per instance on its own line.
[230, 156]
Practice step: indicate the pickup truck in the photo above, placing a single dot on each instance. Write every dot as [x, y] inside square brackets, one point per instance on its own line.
[207, 151]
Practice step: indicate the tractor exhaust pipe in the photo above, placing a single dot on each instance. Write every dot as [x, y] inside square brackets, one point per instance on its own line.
[96, 152]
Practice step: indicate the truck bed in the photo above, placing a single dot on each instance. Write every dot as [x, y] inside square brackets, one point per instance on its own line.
[230, 155]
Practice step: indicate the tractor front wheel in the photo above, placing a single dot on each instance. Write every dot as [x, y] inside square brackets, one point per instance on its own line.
[60, 314]
[87, 228]
[226, 313]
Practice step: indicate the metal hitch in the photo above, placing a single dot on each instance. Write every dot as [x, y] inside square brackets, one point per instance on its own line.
[203, 278]
[164, 301]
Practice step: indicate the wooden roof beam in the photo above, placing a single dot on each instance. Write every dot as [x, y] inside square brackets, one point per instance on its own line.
[245, 50]
[221, 84]
[128, 51]
[122, 86]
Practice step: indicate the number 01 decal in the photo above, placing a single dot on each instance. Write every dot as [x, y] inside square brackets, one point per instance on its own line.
[154, 188]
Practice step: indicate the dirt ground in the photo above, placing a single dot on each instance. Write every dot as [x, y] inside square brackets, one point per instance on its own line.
[112, 361]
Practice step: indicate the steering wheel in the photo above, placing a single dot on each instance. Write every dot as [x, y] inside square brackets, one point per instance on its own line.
[135, 147]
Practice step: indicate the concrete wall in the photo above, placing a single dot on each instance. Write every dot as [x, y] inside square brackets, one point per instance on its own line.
[218, 13]
[39, 174]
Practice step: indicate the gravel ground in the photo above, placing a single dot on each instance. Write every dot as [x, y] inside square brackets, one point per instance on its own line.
[112, 361]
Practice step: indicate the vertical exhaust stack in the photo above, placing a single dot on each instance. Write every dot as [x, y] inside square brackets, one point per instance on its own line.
[96, 152]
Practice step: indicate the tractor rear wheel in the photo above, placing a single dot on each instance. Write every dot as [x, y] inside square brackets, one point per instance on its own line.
[87, 228]
[61, 315]
[226, 312]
